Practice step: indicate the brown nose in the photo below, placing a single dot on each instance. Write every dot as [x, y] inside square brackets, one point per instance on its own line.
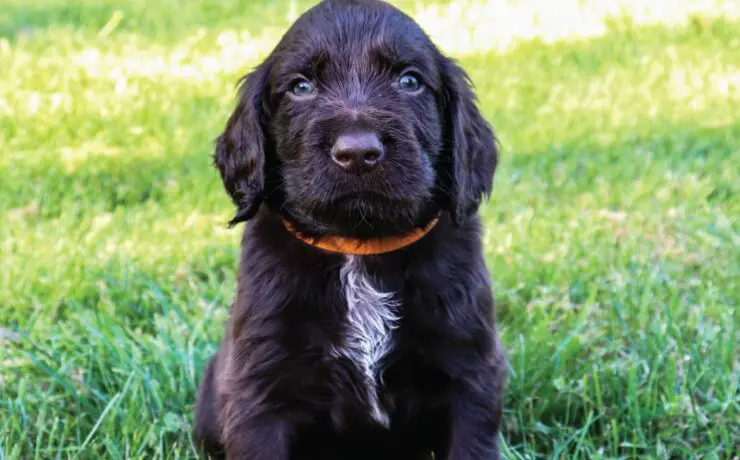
[357, 152]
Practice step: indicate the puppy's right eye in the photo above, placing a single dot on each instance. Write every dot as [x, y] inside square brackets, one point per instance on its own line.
[303, 88]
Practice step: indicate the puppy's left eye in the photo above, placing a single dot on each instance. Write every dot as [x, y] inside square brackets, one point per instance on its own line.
[409, 82]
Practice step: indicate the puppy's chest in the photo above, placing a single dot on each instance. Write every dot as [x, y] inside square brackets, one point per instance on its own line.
[371, 318]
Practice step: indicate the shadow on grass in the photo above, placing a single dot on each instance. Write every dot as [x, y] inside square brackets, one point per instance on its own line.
[123, 355]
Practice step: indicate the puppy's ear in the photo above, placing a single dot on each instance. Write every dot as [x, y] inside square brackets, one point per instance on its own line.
[470, 145]
[240, 149]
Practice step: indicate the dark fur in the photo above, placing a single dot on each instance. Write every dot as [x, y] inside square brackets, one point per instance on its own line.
[273, 391]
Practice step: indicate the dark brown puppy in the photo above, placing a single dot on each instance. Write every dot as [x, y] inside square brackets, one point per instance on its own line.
[357, 126]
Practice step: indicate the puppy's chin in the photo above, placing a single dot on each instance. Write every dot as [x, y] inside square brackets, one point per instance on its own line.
[360, 216]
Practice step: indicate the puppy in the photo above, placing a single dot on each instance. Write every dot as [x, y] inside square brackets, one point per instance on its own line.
[363, 325]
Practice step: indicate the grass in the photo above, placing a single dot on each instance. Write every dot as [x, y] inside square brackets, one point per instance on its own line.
[613, 234]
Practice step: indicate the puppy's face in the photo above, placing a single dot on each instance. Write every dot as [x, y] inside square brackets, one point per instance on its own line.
[357, 125]
[356, 122]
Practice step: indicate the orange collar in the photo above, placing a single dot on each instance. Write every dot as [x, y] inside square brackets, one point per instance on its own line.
[362, 247]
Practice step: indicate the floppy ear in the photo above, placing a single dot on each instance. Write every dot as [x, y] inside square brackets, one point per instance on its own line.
[470, 145]
[240, 149]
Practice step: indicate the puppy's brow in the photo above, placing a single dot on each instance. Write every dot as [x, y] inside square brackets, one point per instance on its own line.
[396, 58]
[307, 62]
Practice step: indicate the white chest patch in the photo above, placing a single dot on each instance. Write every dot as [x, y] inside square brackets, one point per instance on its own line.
[371, 319]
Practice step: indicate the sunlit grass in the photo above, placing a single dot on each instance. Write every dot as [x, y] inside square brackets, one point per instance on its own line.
[482, 26]
[612, 235]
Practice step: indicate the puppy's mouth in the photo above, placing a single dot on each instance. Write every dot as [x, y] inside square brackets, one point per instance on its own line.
[369, 206]
[364, 199]
[358, 214]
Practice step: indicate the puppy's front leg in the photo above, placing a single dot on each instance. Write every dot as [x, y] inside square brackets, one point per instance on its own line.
[256, 416]
[475, 417]
[265, 437]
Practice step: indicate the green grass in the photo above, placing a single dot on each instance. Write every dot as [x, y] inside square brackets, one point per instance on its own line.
[613, 234]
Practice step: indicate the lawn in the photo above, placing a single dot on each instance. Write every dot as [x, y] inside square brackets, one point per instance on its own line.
[613, 234]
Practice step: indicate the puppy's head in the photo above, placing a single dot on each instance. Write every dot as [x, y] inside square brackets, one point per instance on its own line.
[357, 125]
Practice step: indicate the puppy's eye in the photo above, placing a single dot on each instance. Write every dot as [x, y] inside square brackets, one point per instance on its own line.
[409, 82]
[303, 88]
